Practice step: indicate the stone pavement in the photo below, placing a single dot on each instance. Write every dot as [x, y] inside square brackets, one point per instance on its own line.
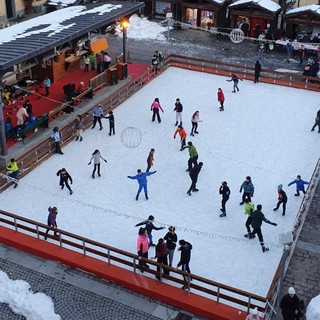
[304, 269]
[78, 295]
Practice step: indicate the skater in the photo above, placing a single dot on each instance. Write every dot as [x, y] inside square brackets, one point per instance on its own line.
[171, 240]
[253, 315]
[248, 190]
[149, 226]
[52, 221]
[56, 137]
[13, 171]
[183, 136]
[155, 63]
[150, 159]
[185, 257]
[221, 99]
[194, 173]
[257, 70]
[161, 256]
[78, 124]
[299, 185]
[155, 109]
[257, 217]
[111, 122]
[317, 122]
[235, 80]
[142, 247]
[64, 178]
[248, 209]
[47, 85]
[142, 181]
[178, 108]
[290, 305]
[97, 113]
[22, 112]
[193, 155]
[225, 193]
[96, 157]
[282, 198]
[194, 121]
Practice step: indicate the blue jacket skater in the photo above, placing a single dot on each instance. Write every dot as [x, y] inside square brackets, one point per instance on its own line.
[299, 183]
[142, 180]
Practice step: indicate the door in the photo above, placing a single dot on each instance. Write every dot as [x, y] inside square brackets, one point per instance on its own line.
[9, 8]
[257, 24]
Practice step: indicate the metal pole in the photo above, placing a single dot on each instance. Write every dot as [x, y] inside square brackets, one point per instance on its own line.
[3, 142]
[124, 44]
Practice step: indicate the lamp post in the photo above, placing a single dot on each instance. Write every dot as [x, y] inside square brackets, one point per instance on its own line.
[125, 25]
[3, 142]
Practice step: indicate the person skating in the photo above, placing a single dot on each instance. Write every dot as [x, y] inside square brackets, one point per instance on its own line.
[64, 178]
[194, 173]
[248, 209]
[78, 124]
[257, 70]
[185, 257]
[142, 247]
[248, 189]
[141, 177]
[257, 218]
[13, 171]
[221, 99]
[225, 193]
[56, 137]
[150, 159]
[299, 185]
[171, 241]
[149, 226]
[96, 157]
[194, 122]
[290, 305]
[155, 107]
[282, 199]
[317, 122]
[235, 80]
[52, 221]
[161, 254]
[111, 123]
[97, 113]
[193, 155]
[183, 136]
[178, 108]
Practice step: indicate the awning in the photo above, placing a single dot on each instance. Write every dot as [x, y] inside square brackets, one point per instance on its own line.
[313, 9]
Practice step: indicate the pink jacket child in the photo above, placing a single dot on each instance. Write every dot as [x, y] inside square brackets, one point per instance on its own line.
[143, 246]
[155, 108]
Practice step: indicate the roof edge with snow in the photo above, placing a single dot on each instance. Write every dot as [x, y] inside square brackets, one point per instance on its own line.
[267, 5]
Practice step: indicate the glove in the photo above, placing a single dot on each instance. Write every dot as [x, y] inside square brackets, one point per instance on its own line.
[155, 171]
[251, 195]
[71, 182]
[89, 163]
[273, 223]
[105, 161]
[239, 191]
[128, 177]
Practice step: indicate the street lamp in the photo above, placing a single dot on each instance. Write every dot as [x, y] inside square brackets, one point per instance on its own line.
[3, 142]
[125, 25]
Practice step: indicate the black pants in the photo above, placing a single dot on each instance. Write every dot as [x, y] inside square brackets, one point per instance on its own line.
[317, 123]
[65, 183]
[194, 127]
[284, 205]
[259, 233]
[58, 147]
[221, 105]
[246, 195]
[256, 77]
[193, 183]
[185, 267]
[142, 263]
[95, 167]
[248, 224]
[223, 204]
[303, 191]
[183, 143]
[156, 113]
[111, 128]
[47, 90]
[192, 161]
[163, 260]
[95, 120]
[149, 167]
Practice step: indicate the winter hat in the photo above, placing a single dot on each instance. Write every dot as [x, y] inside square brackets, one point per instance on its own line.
[279, 186]
[224, 183]
[171, 228]
[259, 207]
[151, 217]
[254, 311]
[291, 290]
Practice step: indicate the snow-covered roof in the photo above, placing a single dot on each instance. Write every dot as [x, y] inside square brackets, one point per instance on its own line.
[63, 3]
[30, 38]
[268, 5]
[216, 2]
[313, 8]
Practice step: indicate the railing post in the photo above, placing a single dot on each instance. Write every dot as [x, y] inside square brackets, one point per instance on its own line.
[84, 247]
[38, 235]
[218, 294]
[15, 224]
[134, 265]
[60, 240]
[109, 256]
[249, 304]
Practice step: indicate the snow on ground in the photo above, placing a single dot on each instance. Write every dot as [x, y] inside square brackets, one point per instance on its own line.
[264, 132]
[313, 310]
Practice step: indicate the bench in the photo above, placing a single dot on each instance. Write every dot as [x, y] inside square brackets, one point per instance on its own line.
[41, 121]
[86, 93]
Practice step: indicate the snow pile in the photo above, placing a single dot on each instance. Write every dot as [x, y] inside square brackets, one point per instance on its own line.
[17, 294]
[313, 310]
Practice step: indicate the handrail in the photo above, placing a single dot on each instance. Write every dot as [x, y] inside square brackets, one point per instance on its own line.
[89, 247]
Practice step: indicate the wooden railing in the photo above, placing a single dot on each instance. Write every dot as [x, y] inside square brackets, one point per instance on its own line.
[111, 255]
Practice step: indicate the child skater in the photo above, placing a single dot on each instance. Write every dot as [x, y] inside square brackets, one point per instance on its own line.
[150, 159]
[96, 157]
[235, 80]
[194, 121]
[221, 99]
[183, 136]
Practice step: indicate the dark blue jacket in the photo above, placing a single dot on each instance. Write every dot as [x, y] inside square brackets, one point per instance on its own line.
[300, 184]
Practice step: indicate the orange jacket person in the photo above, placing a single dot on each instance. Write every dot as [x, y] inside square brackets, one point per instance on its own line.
[183, 136]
